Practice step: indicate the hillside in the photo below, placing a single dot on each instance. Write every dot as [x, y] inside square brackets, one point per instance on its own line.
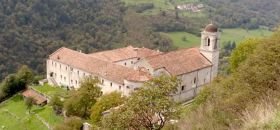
[250, 14]
[184, 39]
[246, 99]
[32, 29]
[14, 115]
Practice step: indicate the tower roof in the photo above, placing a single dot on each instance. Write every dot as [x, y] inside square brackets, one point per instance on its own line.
[211, 28]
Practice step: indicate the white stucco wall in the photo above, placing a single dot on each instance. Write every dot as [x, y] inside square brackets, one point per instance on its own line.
[65, 75]
[143, 63]
[131, 87]
[192, 83]
[128, 63]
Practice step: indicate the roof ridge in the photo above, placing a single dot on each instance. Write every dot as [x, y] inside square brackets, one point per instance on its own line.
[58, 50]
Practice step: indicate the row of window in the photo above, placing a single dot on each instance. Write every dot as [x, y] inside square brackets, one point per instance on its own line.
[66, 68]
[111, 84]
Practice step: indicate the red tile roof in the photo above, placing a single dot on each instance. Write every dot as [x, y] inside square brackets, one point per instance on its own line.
[140, 76]
[180, 61]
[104, 69]
[39, 99]
[124, 53]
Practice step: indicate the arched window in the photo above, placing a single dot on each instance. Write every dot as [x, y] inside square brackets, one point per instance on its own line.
[208, 42]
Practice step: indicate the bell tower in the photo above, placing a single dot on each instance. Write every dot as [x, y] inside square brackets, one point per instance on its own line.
[209, 47]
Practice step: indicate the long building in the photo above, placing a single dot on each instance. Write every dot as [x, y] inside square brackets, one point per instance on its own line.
[126, 69]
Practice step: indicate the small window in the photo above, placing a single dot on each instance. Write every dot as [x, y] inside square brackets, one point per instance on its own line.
[66, 68]
[102, 81]
[111, 84]
[204, 80]
[60, 66]
[194, 80]
[182, 88]
[127, 87]
[120, 87]
[61, 76]
[71, 81]
[135, 89]
[76, 82]
[78, 72]
[84, 74]
[208, 42]
[64, 78]
[131, 62]
[125, 63]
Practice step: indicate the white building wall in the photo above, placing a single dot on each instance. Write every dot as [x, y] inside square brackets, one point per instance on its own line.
[191, 84]
[68, 76]
[145, 64]
[131, 87]
[71, 77]
[128, 63]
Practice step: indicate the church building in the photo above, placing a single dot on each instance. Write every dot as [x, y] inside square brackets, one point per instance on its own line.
[126, 69]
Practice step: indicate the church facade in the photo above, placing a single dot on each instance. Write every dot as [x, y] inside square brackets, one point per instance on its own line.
[126, 69]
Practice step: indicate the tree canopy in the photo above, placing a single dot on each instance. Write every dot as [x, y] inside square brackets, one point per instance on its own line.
[221, 104]
[149, 107]
[83, 99]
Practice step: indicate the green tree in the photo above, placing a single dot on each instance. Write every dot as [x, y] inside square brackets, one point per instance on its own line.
[57, 103]
[224, 103]
[29, 101]
[25, 75]
[150, 107]
[104, 103]
[83, 99]
[243, 50]
[71, 123]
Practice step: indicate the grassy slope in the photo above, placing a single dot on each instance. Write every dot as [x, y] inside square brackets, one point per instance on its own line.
[236, 35]
[20, 119]
[50, 91]
[159, 4]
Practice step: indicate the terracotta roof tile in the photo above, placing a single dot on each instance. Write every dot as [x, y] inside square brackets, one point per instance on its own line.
[180, 61]
[141, 75]
[105, 69]
[124, 53]
[36, 96]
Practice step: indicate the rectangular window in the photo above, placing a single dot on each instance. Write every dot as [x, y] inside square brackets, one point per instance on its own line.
[120, 87]
[182, 88]
[127, 87]
[111, 84]
[78, 72]
[102, 81]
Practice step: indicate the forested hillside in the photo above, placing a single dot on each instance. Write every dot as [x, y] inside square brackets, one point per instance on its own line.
[32, 29]
[244, 13]
[249, 14]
